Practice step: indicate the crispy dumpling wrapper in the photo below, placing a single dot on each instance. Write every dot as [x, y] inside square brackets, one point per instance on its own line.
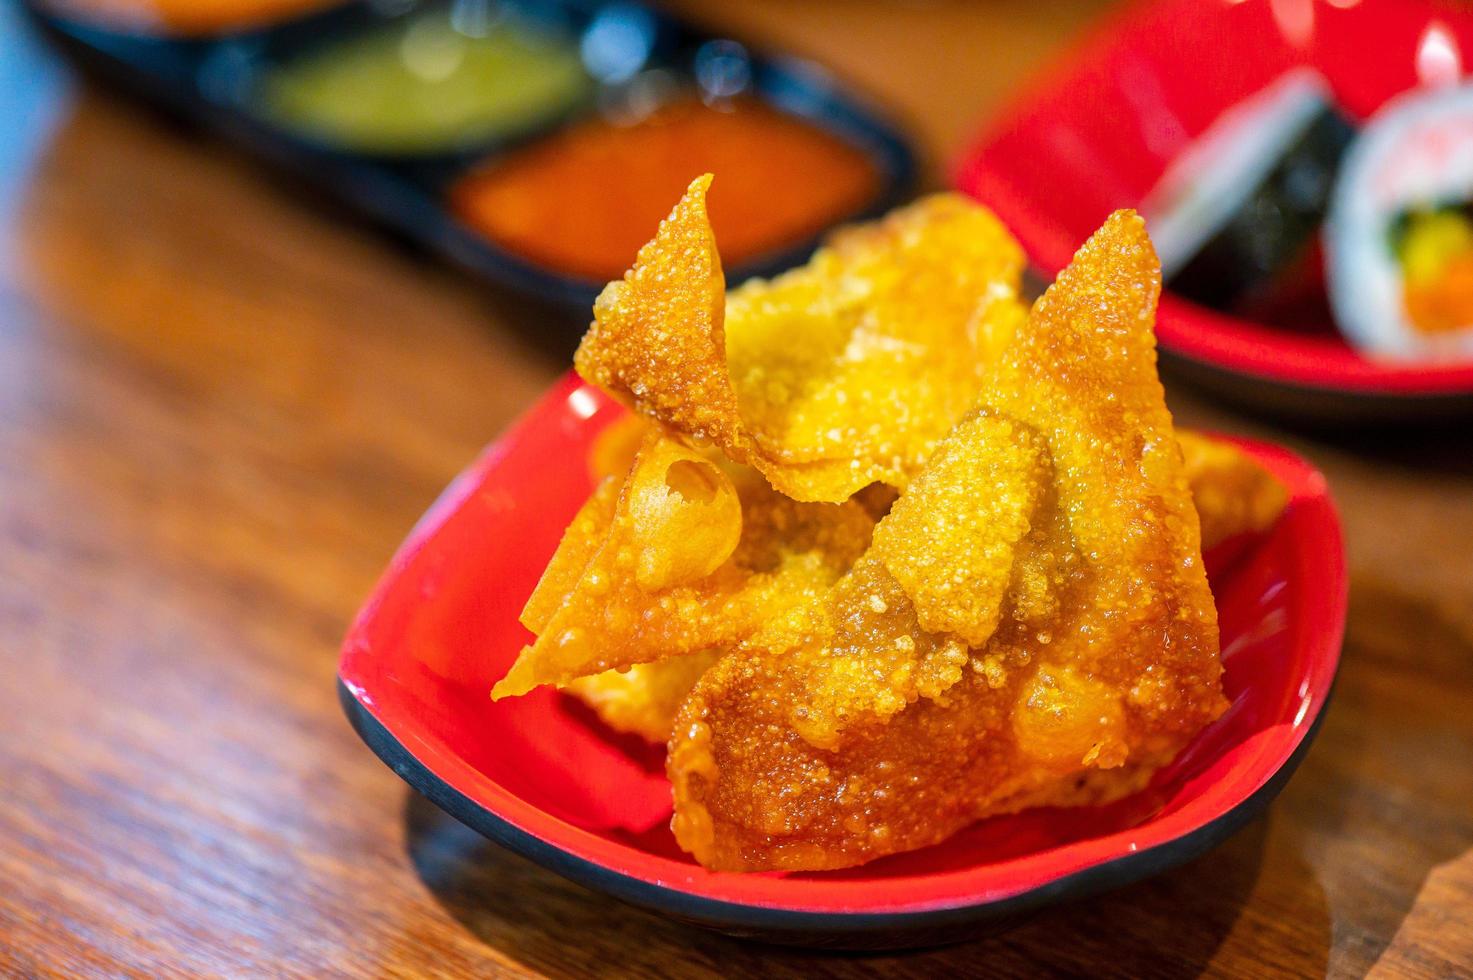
[833, 376]
[974, 503]
[1233, 493]
[686, 554]
[1008, 608]
[850, 729]
[895, 317]
[657, 341]
[643, 699]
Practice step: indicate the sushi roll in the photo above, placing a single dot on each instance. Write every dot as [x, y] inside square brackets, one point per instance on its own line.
[1399, 240]
[1236, 217]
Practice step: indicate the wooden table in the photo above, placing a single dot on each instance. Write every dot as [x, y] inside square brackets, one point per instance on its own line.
[220, 410]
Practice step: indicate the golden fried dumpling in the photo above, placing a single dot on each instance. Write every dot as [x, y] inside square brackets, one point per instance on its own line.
[658, 339]
[643, 699]
[850, 730]
[1233, 493]
[973, 507]
[894, 317]
[613, 449]
[685, 555]
[836, 375]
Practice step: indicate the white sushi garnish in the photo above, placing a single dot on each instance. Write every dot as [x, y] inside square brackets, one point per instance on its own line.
[1416, 153]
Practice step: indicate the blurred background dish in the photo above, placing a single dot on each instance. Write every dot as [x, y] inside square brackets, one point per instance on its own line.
[434, 81]
[1236, 216]
[780, 180]
[1234, 150]
[1401, 230]
[491, 132]
[488, 131]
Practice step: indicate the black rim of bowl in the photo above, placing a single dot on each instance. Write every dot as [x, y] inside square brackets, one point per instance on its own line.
[838, 930]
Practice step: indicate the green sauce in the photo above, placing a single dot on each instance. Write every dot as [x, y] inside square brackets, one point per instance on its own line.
[422, 86]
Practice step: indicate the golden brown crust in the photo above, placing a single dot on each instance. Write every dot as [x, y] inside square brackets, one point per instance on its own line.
[1020, 618]
[685, 554]
[1233, 493]
[657, 340]
[643, 699]
[849, 731]
[896, 319]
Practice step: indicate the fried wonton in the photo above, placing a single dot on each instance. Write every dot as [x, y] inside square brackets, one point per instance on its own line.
[613, 449]
[643, 699]
[686, 554]
[1233, 493]
[1057, 650]
[836, 375]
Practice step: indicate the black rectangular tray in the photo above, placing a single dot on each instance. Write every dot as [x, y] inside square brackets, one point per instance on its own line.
[208, 82]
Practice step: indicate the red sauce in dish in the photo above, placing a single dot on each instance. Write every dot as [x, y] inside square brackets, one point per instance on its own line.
[583, 200]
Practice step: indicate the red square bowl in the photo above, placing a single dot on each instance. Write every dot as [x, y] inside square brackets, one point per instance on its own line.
[542, 777]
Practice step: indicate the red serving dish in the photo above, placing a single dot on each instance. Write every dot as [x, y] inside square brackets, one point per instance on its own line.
[1096, 134]
[542, 777]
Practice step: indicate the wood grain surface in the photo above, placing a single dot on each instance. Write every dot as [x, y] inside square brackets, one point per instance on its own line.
[222, 406]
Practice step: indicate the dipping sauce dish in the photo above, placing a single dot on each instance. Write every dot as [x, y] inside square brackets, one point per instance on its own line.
[779, 180]
[528, 142]
[428, 83]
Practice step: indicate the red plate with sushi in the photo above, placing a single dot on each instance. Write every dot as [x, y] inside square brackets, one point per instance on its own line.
[1306, 167]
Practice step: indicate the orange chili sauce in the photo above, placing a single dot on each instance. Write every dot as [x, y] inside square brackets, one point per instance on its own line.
[186, 17]
[584, 200]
